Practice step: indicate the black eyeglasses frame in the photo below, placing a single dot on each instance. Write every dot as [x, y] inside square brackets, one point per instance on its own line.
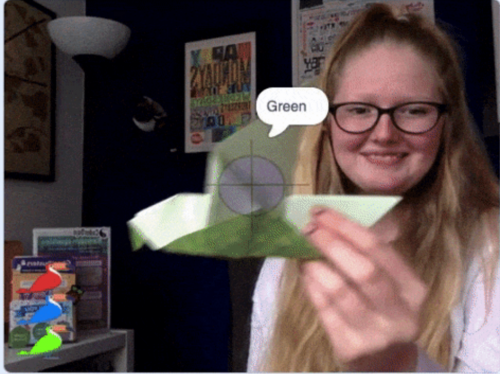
[442, 108]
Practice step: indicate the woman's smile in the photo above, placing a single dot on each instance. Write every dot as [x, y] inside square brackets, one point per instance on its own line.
[385, 160]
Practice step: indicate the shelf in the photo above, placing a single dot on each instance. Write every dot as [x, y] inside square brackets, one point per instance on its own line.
[120, 342]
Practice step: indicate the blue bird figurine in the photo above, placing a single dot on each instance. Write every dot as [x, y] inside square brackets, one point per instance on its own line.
[48, 312]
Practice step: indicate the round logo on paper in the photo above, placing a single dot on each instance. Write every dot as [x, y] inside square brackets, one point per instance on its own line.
[40, 330]
[19, 337]
[196, 138]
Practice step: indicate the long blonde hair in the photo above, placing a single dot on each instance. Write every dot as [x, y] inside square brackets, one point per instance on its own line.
[454, 209]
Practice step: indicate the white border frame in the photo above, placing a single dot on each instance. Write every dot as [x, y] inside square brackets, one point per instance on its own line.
[216, 42]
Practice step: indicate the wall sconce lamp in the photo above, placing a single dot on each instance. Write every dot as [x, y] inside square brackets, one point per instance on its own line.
[92, 42]
[149, 115]
[88, 38]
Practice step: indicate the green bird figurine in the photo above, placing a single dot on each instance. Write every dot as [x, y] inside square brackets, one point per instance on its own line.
[47, 343]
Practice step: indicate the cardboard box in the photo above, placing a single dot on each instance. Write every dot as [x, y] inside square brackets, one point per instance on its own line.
[30, 333]
[27, 269]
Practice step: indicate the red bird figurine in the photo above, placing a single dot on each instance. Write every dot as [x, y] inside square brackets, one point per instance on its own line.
[48, 281]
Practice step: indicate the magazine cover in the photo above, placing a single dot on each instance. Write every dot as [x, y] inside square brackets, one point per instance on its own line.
[91, 250]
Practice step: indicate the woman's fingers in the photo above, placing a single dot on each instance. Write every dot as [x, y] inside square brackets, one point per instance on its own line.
[366, 296]
[358, 251]
[327, 287]
[351, 262]
[382, 317]
[355, 328]
[359, 235]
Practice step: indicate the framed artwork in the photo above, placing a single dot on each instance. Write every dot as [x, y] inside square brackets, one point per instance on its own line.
[29, 92]
[219, 89]
[316, 25]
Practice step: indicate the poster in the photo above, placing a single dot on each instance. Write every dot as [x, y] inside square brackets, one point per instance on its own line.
[219, 89]
[315, 30]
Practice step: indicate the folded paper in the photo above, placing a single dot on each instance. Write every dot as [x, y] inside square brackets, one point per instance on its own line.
[181, 225]
[248, 209]
[169, 220]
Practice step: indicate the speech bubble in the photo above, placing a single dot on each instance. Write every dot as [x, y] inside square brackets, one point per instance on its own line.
[292, 106]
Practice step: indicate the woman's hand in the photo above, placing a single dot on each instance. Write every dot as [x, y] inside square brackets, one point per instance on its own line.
[368, 299]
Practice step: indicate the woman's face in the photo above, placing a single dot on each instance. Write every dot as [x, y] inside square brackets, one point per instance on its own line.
[384, 160]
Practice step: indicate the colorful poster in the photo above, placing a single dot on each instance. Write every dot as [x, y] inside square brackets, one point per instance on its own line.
[219, 91]
[316, 29]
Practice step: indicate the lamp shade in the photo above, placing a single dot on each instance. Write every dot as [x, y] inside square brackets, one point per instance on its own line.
[89, 36]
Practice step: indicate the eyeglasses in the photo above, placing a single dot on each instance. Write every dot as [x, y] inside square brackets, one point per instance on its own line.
[412, 118]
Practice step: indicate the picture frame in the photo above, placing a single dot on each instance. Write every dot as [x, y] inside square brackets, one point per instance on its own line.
[220, 89]
[29, 92]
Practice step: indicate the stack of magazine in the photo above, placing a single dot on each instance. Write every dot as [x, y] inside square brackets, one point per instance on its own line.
[64, 286]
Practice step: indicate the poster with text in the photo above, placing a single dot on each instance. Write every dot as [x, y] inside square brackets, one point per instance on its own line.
[220, 89]
[315, 30]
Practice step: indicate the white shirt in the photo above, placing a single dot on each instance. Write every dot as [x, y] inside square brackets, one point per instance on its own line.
[475, 343]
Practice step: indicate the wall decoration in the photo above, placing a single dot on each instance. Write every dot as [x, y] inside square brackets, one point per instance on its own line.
[317, 24]
[29, 92]
[219, 89]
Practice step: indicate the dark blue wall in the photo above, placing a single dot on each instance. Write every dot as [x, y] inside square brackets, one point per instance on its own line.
[179, 306]
[471, 25]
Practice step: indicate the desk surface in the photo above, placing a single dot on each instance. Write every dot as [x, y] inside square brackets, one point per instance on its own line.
[87, 345]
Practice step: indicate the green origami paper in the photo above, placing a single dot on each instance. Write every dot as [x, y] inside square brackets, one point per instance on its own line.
[169, 220]
[181, 225]
[206, 224]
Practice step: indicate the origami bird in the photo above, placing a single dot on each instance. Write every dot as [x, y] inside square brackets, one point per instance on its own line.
[48, 312]
[47, 343]
[47, 281]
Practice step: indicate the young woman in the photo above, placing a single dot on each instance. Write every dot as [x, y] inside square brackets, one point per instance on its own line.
[420, 290]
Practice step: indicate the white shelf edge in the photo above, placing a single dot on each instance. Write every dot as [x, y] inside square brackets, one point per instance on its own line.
[87, 345]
